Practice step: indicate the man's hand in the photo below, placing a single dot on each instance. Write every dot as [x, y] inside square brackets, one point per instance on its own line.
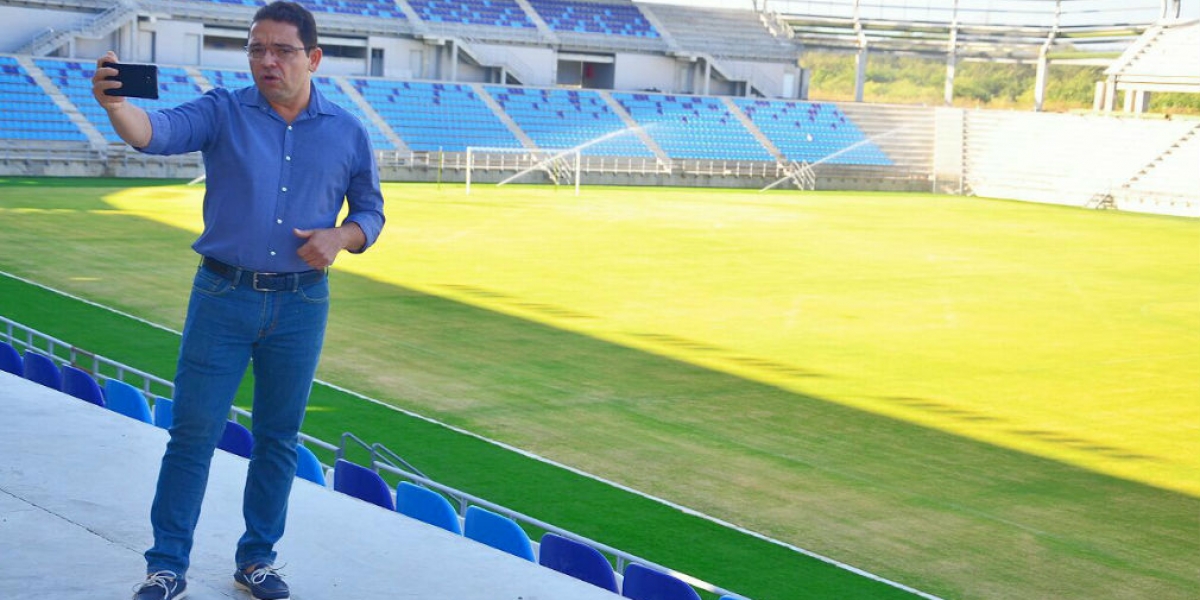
[129, 121]
[100, 82]
[322, 246]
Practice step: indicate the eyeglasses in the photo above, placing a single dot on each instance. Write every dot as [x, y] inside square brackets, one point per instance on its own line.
[281, 51]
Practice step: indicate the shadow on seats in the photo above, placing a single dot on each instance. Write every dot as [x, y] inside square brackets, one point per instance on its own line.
[578, 560]
[641, 583]
[80, 384]
[40, 368]
[362, 483]
[237, 439]
[10, 360]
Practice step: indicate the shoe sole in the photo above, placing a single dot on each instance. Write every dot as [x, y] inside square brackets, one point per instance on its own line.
[241, 586]
[179, 596]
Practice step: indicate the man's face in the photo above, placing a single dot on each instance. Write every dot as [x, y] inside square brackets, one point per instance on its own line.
[280, 65]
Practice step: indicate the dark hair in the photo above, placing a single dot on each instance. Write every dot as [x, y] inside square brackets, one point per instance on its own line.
[290, 12]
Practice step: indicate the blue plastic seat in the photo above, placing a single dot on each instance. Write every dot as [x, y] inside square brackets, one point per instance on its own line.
[578, 560]
[164, 412]
[308, 467]
[641, 583]
[236, 439]
[362, 483]
[10, 360]
[39, 368]
[497, 531]
[80, 384]
[127, 400]
[426, 505]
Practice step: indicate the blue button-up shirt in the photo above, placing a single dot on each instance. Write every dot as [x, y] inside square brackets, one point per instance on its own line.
[266, 177]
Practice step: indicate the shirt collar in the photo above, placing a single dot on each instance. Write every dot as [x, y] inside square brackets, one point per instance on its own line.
[317, 104]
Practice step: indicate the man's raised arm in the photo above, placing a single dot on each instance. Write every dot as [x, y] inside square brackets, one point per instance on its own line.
[129, 121]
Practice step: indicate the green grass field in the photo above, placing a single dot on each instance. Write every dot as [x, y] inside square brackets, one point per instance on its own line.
[979, 399]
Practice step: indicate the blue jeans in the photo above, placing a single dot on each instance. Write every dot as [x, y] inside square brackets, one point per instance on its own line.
[226, 327]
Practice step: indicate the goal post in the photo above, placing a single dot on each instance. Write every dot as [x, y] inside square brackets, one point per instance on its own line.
[561, 166]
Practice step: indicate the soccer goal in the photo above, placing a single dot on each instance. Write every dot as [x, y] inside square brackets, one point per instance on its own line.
[561, 166]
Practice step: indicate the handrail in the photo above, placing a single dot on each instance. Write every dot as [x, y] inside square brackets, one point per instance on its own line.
[622, 558]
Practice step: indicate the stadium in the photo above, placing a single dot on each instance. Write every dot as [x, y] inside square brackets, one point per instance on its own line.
[656, 289]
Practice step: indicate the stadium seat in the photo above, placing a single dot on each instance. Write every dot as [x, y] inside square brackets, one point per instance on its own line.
[40, 368]
[10, 360]
[497, 531]
[80, 384]
[127, 400]
[236, 439]
[580, 561]
[164, 412]
[308, 467]
[426, 505]
[362, 483]
[641, 583]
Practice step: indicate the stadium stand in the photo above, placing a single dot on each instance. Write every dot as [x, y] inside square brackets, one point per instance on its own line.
[27, 112]
[1009, 154]
[1166, 58]
[594, 17]
[495, 13]
[813, 132]
[436, 116]
[80, 495]
[556, 118]
[74, 79]
[729, 33]
[692, 127]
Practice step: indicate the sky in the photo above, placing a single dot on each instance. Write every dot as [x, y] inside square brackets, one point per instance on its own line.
[1000, 12]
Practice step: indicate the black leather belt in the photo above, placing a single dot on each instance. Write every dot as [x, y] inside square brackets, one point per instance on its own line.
[263, 282]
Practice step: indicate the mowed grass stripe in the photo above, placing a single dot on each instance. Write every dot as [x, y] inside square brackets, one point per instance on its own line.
[936, 511]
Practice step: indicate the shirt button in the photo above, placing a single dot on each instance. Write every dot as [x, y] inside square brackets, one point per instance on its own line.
[279, 221]
[272, 253]
[285, 188]
[287, 158]
[289, 127]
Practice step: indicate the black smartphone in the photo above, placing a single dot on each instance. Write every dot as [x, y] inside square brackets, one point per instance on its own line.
[137, 81]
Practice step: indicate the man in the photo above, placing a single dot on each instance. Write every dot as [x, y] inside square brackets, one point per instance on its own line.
[280, 161]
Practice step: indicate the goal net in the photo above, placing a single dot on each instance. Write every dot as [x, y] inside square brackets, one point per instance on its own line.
[560, 166]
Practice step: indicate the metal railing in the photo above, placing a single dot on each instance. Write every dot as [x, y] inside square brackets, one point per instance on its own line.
[27, 339]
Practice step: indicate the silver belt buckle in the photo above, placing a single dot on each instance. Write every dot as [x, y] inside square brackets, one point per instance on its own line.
[254, 281]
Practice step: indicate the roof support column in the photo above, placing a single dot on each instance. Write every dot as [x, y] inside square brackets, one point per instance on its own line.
[951, 58]
[860, 66]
